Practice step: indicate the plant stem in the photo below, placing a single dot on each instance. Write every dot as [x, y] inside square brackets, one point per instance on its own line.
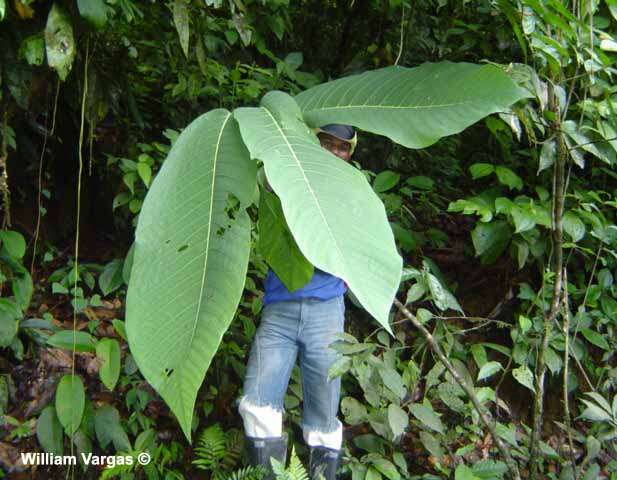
[467, 388]
[4, 179]
[557, 214]
[566, 358]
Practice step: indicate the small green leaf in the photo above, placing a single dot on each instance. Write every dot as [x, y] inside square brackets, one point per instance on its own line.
[424, 315]
[479, 354]
[354, 411]
[522, 249]
[605, 278]
[427, 416]
[84, 446]
[348, 349]
[450, 394]
[128, 264]
[386, 468]
[507, 433]
[121, 199]
[8, 326]
[108, 351]
[463, 472]
[392, 379]
[432, 444]
[573, 226]
[416, 292]
[524, 376]
[523, 220]
[372, 474]
[504, 205]
[438, 292]
[119, 327]
[59, 41]
[488, 370]
[525, 323]
[370, 443]
[479, 170]
[2, 9]
[594, 413]
[94, 12]
[547, 155]
[23, 288]
[385, 181]
[111, 277]
[339, 367]
[49, 431]
[593, 472]
[32, 48]
[58, 288]
[474, 205]
[145, 172]
[108, 429]
[595, 338]
[491, 239]
[181, 21]
[13, 242]
[509, 178]
[398, 419]
[490, 469]
[593, 447]
[421, 182]
[70, 400]
[84, 342]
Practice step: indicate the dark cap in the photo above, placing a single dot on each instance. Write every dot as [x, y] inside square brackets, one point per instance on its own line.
[344, 132]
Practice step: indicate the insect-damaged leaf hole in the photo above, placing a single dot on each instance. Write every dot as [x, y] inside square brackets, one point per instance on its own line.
[232, 207]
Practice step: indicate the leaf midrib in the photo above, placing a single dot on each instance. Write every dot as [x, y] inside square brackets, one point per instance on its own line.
[308, 185]
[209, 232]
[397, 107]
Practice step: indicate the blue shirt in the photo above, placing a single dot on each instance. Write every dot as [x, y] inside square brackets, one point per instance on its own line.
[322, 286]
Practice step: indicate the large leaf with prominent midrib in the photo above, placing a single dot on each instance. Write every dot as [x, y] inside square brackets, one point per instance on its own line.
[414, 107]
[338, 222]
[191, 255]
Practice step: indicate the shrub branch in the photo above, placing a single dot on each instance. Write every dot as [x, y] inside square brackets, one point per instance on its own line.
[467, 388]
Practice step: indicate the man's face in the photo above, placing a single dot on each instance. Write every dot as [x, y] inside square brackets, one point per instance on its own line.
[338, 147]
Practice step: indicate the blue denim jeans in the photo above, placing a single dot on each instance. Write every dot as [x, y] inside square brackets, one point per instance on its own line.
[307, 327]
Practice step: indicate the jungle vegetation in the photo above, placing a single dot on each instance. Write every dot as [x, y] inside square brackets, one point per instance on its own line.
[479, 340]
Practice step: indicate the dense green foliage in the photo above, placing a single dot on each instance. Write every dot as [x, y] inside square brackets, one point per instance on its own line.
[507, 231]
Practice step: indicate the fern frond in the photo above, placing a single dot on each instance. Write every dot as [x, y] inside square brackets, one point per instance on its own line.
[234, 444]
[296, 469]
[211, 448]
[247, 473]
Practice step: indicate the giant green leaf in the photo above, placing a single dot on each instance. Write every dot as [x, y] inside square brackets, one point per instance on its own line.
[190, 260]
[59, 41]
[278, 246]
[414, 107]
[338, 222]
